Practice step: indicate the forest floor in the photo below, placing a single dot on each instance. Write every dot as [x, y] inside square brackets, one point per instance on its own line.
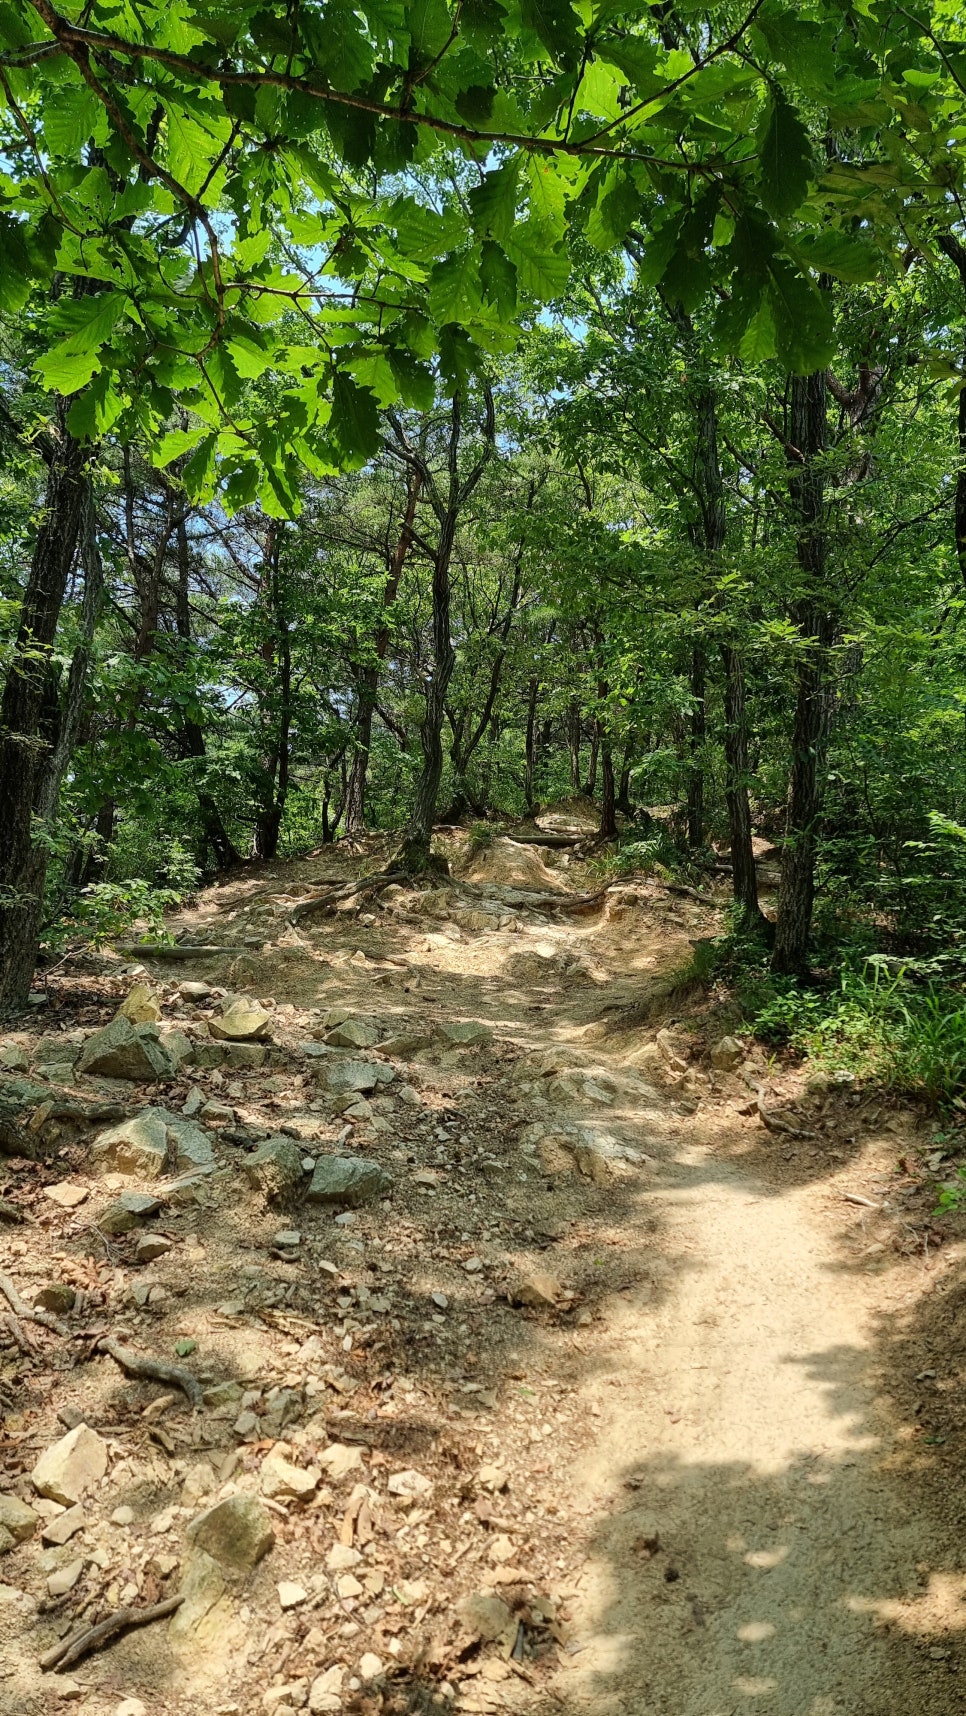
[641, 1390]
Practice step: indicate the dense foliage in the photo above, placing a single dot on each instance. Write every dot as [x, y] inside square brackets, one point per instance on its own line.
[412, 414]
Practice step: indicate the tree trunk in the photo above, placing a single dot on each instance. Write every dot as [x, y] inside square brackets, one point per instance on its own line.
[415, 851]
[573, 743]
[744, 876]
[367, 681]
[191, 740]
[590, 784]
[530, 747]
[696, 738]
[608, 795]
[26, 739]
[807, 435]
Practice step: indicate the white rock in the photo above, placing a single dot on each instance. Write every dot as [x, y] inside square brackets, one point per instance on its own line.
[71, 1467]
[409, 1483]
[65, 1578]
[370, 1666]
[290, 1595]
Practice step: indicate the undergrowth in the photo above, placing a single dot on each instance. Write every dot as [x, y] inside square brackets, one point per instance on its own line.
[884, 1024]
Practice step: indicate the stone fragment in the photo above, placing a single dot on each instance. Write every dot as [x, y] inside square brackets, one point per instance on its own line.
[177, 1046]
[370, 1666]
[409, 1483]
[194, 991]
[348, 1585]
[72, 1466]
[203, 1590]
[463, 1032]
[275, 1168]
[339, 1460]
[485, 1617]
[64, 1526]
[56, 1296]
[141, 1004]
[674, 1050]
[150, 1247]
[122, 1516]
[241, 1021]
[347, 1180]
[242, 1055]
[341, 1558]
[353, 1034]
[17, 1518]
[341, 1076]
[193, 1104]
[406, 1044]
[291, 1594]
[727, 1054]
[131, 1707]
[215, 1110]
[536, 1288]
[14, 1057]
[288, 1239]
[66, 1194]
[123, 1050]
[279, 1478]
[135, 1146]
[65, 1578]
[294, 1694]
[127, 1212]
[324, 1692]
[236, 1532]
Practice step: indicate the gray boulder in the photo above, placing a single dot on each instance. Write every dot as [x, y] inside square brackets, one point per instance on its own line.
[123, 1050]
[275, 1168]
[347, 1180]
[236, 1532]
[341, 1076]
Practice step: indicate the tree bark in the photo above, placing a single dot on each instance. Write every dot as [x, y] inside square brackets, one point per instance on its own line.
[744, 876]
[27, 736]
[191, 740]
[807, 439]
[367, 678]
[696, 738]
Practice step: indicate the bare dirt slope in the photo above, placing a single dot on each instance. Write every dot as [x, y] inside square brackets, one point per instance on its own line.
[620, 1397]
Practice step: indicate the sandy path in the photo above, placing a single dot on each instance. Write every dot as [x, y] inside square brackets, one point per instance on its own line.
[744, 1435]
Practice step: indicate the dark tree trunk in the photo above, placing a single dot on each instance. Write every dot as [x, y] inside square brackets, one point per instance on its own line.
[807, 437]
[530, 747]
[367, 679]
[274, 778]
[191, 740]
[415, 851]
[573, 743]
[590, 784]
[744, 876]
[696, 737]
[27, 740]
[608, 795]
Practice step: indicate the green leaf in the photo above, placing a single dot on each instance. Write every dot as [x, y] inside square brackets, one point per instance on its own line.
[541, 269]
[556, 25]
[786, 158]
[454, 287]
[64, 372]
[175, 444]
[96, 410]
[72, 117]
[15, 266]
[354, 424]
[248, 357]
[499, 278]
[839, 253]
[804, 336]
[493, 203]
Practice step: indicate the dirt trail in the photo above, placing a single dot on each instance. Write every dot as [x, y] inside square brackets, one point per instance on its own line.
[659, 1375]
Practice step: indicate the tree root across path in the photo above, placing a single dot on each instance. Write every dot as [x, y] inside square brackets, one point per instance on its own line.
[332, 896]
[155, 1370]
[70, 1650]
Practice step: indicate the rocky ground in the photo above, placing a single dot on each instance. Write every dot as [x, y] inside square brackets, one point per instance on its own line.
[431, 1304]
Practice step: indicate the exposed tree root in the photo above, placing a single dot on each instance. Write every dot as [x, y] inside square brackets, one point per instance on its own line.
[156, 1370]
[71, 1650]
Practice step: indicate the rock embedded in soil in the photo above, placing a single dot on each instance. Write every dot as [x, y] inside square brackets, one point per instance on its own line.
[150, 1247]
[65, 1194]
[17, 1519]
[141, 1004]
[364, 1076]
[65, 1578]
[241, 1021]
[347, 1180]
[727, 1054]
[56, 1296]
[353, 1034]
[64, 1526]
[127, 1212]
[535, 1288]
[66, 1471]
[123, 1050]
[464, 1033]
[135, 1146]
[203, 1590]
[279, 1479]
[236, 1532]
[275, 1168]
[486, 1618]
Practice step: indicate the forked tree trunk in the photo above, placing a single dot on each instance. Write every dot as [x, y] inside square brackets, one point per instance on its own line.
[27, 734]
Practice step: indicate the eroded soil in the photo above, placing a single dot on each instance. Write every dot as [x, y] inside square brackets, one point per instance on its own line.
[625, 1398]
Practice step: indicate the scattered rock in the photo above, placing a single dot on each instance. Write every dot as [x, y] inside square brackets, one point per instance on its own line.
[675, 1051]
[370, 1666]
[64, 1526]
[141, 1005]
[290, 1594]
[123, 1050]
[347, 1180]
[127, 1212]
[348, 1075]
[131, 1707]
[136, 1146]
[151, 1246]
[66, 1194]
[464, 1032]
[339, 1460]
[236, 1532]
[353, 1034]
[289, 1238]
[275, 1168]
[65, 1578]
[727, 1054]
[535, 1287]
[293, 1696]
[409, 1483]
[241, 1021]
[14, 1058]
[17, 1519]
[57, 1296]
[204, 1608]
[70, 1468]
[214, 1110]
[280, 1478]
[486, 1618]
[324, 1692]
[195, 991]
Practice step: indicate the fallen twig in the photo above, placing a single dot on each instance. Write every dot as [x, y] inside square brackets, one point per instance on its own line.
[857, 1198]
[72, 1649]
[179, 949]
[155, 1370]
[776, 1123]
[367, 884]
[692, 893]
[554, 840]
[12, 1325]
